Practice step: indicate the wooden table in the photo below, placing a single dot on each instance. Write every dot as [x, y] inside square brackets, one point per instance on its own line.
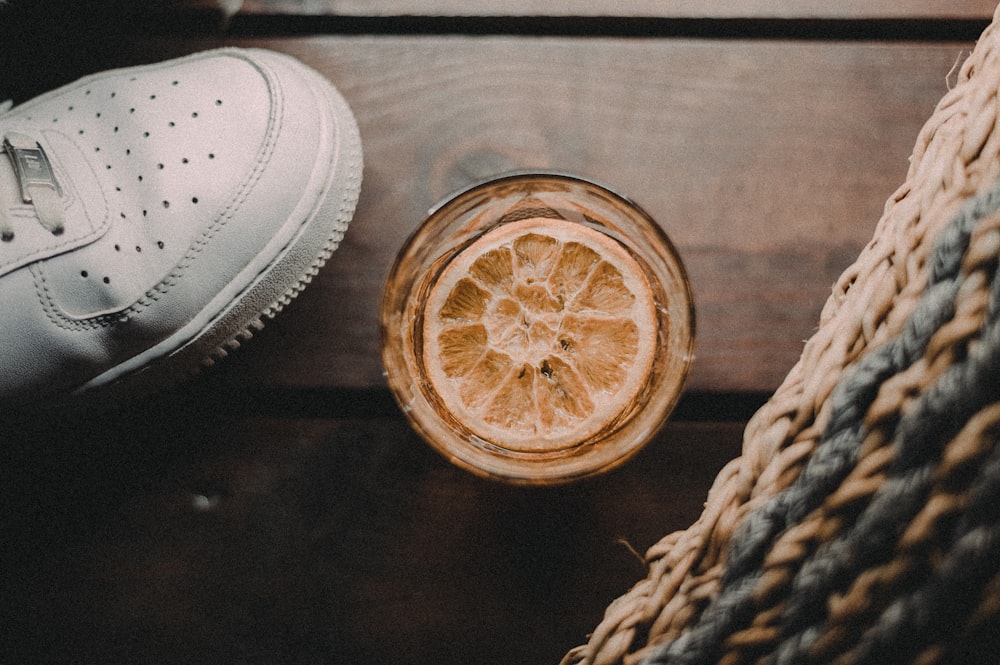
[279, 509]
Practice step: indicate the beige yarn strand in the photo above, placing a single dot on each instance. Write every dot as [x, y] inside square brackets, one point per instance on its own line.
[957, 152]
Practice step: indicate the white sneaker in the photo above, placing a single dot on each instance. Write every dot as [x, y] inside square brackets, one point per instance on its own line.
[149, 217]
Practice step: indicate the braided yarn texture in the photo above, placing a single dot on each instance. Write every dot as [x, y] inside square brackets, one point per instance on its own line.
[783, 595]
[859, 494]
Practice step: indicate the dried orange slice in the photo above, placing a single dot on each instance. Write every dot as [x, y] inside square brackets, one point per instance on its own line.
[539, 334]
[537, 328]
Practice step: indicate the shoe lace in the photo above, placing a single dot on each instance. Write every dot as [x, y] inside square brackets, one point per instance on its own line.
[37, 182]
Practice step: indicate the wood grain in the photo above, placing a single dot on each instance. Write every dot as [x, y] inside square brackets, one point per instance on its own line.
[767, 163]
[799, 9]
[175, 533]
[188, 529]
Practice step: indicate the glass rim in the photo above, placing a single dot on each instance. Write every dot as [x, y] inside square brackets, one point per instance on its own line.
[628, 219]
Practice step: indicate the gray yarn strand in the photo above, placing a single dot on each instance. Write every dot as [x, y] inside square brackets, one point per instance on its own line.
[856, 391]
[922, 433]
[937, 415]
[830, 463]
[933, 611]
[836, 453]
[823, 473]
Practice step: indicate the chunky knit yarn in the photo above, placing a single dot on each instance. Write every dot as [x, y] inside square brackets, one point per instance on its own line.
[858, 524]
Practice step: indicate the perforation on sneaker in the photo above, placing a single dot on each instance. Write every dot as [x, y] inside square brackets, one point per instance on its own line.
[116, 113]
[175, 163]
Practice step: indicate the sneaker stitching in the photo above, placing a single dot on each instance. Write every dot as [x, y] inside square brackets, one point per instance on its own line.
[64, 320]
[54, 314]
[275, 123]
[349, 153]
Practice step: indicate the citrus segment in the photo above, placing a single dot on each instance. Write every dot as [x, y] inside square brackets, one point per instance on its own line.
[539, 334]
[575, 263]
[494, 269]
[467, 302]
[462, 348]
[480, 383]
[512, 408]
[605, 292]
[535, 254]
[601, 347]
[562, 399]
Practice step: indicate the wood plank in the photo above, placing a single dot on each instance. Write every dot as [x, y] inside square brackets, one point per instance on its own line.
[768, 164]
[176, 533]
[725, 9]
